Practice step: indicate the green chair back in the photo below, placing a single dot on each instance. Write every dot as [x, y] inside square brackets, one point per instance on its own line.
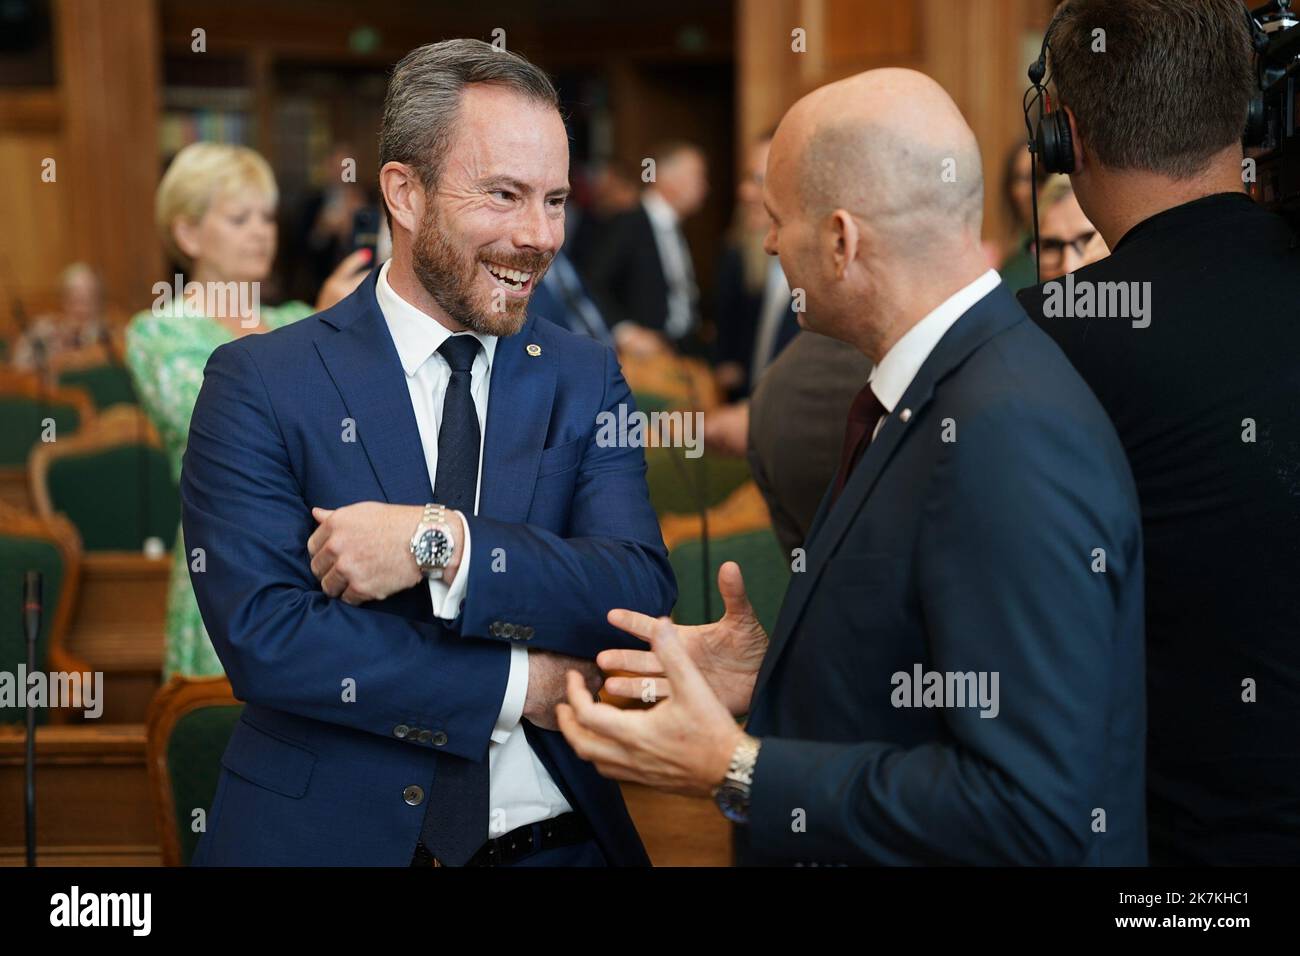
[650, 402]
[116, 497]
[675, 484]
[21, 425]
[19, 555]
[107, 384]
[194, 752]
[763, 564]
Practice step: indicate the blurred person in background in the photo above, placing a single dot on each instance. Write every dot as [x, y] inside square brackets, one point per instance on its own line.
[610, 190]
[755, 316]
[641, 274]
[563, 299]
[79, 322]
[1067, 239]
[796, 421]
[215, 213]
[329, 218]
[1017, 268]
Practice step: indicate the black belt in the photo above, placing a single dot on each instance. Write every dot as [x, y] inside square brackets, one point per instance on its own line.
[564, 830]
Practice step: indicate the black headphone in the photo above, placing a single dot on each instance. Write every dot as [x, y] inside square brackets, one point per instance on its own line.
[1051, 142]
[1256, 125]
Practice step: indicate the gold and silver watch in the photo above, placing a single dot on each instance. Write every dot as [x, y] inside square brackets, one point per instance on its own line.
[432, 544]
[732, 795]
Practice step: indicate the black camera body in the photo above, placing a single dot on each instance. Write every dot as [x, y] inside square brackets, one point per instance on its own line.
[1272, 137]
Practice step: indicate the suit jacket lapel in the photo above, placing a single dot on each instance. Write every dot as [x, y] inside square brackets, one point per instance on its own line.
[995, 312]
[363, 363]
[518, 416]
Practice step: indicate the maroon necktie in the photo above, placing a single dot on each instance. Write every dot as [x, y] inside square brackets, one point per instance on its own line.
[863, 415]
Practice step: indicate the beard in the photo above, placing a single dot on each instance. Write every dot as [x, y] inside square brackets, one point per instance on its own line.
[452, 276]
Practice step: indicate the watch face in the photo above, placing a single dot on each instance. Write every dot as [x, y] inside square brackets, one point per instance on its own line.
[733, 803]
[432, 548]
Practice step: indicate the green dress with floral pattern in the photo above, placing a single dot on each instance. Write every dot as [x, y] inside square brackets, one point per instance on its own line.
[167, 354]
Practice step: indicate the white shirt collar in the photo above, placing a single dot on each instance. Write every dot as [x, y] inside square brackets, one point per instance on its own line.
[416, 334]
[662, 215]
[894, 373]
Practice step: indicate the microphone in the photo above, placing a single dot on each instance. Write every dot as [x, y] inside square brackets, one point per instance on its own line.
[32, 627]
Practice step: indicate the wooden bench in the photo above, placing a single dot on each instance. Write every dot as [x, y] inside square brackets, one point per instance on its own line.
[92, 797]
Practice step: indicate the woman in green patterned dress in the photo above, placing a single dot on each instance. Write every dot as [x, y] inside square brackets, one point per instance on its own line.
[215, 213]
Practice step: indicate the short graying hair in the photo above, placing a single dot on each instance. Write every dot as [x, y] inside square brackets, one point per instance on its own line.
[423, 98]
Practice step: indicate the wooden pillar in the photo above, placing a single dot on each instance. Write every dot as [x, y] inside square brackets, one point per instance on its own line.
[973, 48]
[975, 51]
[109, 67]
[767, 71]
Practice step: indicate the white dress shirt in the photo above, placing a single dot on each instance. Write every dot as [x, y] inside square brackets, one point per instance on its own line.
[521, 790]
[675, 256]
[771, 313]
[891, 376]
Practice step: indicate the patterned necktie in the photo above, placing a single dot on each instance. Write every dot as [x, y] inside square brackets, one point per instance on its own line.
[863, 415]
[456, 816]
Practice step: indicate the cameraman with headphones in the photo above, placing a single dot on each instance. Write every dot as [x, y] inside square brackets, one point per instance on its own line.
[1199, 369]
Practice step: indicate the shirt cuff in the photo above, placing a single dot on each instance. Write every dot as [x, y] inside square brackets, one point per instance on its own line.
[516, 695]
[447, 598]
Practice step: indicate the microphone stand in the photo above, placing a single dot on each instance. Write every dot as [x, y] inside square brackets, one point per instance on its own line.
[32, 625]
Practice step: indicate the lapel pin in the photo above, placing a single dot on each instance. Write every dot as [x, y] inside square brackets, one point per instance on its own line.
[533, 350]
[905, 415]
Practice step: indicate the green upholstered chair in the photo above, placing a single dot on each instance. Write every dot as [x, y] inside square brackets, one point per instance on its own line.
[766, 572]
[189, 725]
[113, 482]
[740, 530]
[107, 385]
[24, 406]
[675, 484]
[32, 543]
[650, 402]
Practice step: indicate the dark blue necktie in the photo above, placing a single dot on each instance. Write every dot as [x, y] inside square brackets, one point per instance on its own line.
[456, 816]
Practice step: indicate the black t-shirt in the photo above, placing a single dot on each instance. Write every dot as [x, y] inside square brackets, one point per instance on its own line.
[1201, 376]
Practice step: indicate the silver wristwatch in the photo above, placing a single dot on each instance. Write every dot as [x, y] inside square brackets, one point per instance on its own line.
[432, 543]
[732, 795]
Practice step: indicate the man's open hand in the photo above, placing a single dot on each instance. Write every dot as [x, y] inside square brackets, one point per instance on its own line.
[727, 652]
[682, 745]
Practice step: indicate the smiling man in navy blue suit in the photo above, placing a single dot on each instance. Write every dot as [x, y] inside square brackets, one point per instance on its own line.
[956, 676]
[410, 531]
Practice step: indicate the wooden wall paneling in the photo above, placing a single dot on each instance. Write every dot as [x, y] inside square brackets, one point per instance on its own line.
[108, 57]
[36, 241]
[972, 48]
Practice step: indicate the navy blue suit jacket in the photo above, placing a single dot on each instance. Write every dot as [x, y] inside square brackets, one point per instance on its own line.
[970, 555]
[564, 531]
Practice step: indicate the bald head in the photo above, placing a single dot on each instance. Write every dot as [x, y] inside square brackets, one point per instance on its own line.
[890, 147]
[876, 194]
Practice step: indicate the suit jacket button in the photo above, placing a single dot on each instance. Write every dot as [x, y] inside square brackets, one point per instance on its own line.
[496, 629]
[439, 739]
[426, 736]
[413, 795]
[527, 632]
[400, 731]
[508, 630]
